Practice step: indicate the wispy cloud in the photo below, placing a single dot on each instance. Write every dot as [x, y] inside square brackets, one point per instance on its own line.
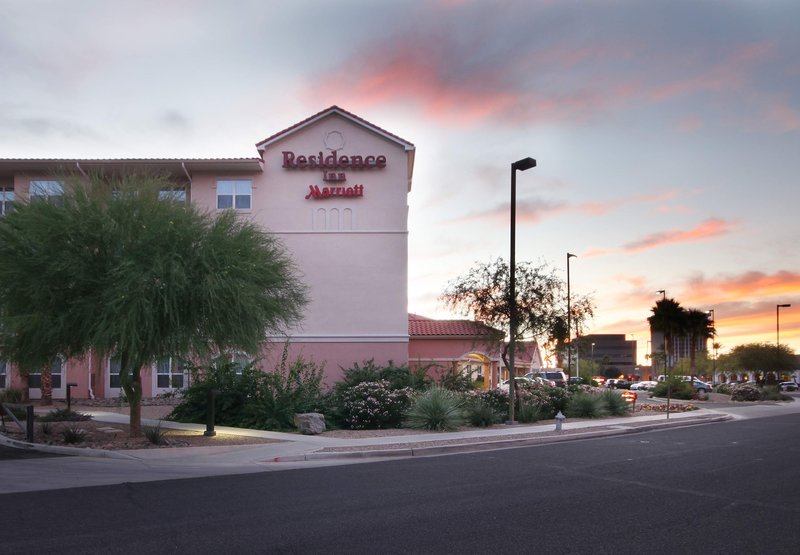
[713, 227]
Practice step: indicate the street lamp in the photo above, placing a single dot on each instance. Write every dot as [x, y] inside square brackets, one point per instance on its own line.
[713, 343]
[778, 334]
[778, 322]
[569, 322]
[521, 165]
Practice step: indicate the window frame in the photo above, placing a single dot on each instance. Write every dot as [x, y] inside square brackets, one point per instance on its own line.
[7, 199]
[43, 190]
[234, 194]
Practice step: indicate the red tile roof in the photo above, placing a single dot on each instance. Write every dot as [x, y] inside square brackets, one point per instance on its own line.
[420, 326]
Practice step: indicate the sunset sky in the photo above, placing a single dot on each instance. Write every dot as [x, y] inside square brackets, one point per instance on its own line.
[667, 134]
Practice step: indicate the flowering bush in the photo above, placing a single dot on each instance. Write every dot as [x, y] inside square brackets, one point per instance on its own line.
[370, 405]
[663, 407]
[495, 399]
[549, 399]
[746, 392]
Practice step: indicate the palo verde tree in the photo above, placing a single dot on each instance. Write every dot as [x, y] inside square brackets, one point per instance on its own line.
[540, 304]
[117, 269]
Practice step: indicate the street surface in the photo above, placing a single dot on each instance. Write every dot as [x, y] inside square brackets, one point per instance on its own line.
[730, 487]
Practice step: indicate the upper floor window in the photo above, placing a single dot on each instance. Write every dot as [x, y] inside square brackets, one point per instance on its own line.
[235, 193]
[6, 200]
[51, 191]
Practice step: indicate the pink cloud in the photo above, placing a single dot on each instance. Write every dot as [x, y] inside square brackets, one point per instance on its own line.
[712, 227]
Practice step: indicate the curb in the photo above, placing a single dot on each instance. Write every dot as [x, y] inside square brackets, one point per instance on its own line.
[63, 450]
[617, 430]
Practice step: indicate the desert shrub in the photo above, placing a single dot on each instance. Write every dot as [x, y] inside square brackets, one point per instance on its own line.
[585, 405]
[290, 389]
[64, 415]
[73, 435]
[550, 400]
[614, 403]
[371, 405]
[725, 388]
[773, 393]
[155, 434]
[45, 429]
[252, 398]
[529, 412]
[479, 412]
[435, 408]
[746, 392]
[679, 389]
[398, 377]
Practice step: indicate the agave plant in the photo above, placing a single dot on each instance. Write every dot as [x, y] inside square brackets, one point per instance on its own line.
[436, 409]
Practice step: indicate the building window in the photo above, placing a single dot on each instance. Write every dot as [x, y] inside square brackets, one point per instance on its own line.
[178, 194]
[114, 367]
[56, 369]
[169, 373]
[51, 191]
[3, 373]
[234, 194]
[6, 200]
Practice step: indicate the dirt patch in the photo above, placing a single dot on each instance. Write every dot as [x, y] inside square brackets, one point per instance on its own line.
[103, 435]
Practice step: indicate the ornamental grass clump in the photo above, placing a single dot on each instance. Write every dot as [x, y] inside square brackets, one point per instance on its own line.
[585, 405]
[615, 404]
[529, 413]
[480, 413]
[436, 409]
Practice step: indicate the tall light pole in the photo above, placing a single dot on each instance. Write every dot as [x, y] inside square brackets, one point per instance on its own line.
[714, 360]
[778, 322]
[569, 322]
[521, 165]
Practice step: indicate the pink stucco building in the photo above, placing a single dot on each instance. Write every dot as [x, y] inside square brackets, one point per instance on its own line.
[334, 189]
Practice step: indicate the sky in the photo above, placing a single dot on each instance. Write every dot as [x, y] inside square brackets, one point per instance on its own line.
[667, 133]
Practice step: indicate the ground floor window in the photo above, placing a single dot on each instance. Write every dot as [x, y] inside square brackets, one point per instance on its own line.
[56, 370]
[114, 367]
[3, 373]
[170, 373]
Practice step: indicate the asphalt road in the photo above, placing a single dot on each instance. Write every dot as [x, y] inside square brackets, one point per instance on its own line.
[731, 487]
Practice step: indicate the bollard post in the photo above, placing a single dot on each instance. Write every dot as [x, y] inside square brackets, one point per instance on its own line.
[29, 423]
[559, 421]
[70, 385]
[212, 393]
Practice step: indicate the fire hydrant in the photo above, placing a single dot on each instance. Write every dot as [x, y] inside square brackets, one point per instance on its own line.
[559, 420]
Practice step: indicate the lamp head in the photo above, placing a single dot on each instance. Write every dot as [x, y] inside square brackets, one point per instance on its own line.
[524, 164]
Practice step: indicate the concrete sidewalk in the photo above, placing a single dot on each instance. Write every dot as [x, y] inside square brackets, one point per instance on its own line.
[88, 467]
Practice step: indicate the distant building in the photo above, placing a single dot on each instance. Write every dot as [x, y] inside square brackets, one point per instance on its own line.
[610, 350]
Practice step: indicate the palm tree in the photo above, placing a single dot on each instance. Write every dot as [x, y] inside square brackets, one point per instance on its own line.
[669, 318]
[698, 327]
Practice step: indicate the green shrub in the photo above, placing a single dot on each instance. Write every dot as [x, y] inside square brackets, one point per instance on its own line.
[585, 405]
[550, 400]
[73, 435]
[746, 392]
[479, 412]
[529, 412]
[373, 405]
[398, 377]
[436, 408]
[679, 389]
[773, 393]
[252, 398]
[155, 434]
[45, 429]
[614, 403]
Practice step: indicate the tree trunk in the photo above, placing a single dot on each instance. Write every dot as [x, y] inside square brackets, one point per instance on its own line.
[47, 385]
[132, 386]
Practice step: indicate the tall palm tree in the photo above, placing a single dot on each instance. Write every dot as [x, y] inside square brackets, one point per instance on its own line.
[669, 318]
[698, 327]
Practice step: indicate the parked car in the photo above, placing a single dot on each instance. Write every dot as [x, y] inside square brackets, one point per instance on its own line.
[701, 387]
[575, 380]
[622, 384]
[556, 376]
[611, 383]
[544, 378]
[522, 380]
[643, 385]
[789, 386]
